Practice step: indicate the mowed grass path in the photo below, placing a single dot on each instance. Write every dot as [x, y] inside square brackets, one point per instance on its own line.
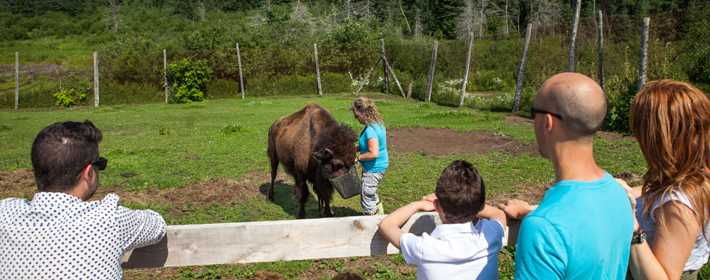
[159, 146]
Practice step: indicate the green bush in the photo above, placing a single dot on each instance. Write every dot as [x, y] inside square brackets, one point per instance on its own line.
[188, 79]
[69, 97]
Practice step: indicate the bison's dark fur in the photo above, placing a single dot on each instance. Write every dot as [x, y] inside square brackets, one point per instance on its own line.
[312, 147]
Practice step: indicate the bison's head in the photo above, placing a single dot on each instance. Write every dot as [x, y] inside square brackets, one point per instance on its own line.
[335, 152]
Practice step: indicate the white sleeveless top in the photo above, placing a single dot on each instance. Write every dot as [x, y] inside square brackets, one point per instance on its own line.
[699, 255]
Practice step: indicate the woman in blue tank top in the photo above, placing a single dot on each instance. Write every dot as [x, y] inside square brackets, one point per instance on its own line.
[372, 153]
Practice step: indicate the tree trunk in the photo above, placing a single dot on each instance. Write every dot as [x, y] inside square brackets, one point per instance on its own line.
[17, 80]
[115, 8]
[315, 55]
[96, 79]
[507, 20]
[644, 52]
[385, 74]
[166, 86]
[521, 70]
[600, 49]
[465, 74]
[432, 69]
[241, 74]
[201, 10]
[573, 37]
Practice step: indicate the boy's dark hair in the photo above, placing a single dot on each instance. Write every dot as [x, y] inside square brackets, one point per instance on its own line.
[461, 192]
[61, 151]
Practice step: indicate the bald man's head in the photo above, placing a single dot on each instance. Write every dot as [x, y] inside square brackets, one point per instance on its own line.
[577, 98]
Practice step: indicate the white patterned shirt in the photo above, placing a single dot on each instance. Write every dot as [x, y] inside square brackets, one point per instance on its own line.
[59, 236]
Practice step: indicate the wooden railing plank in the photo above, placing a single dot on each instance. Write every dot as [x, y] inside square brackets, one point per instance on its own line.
[268, 241]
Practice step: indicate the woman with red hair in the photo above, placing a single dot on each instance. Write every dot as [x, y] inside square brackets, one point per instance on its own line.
[671, 121]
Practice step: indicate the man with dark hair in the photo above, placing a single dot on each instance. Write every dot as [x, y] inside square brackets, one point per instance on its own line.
[59, 234]
[466, 245]
[582, 227]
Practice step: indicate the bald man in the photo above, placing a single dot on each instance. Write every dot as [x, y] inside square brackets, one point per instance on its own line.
[582, 228]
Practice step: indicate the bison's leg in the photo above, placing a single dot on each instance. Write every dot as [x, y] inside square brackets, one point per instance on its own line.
[274, 170]
[302, 195]
[325, 195]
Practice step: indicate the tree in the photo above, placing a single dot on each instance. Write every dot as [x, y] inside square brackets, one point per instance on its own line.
[115, 6]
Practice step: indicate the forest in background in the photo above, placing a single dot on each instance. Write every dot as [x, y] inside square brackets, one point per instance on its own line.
[55, 40]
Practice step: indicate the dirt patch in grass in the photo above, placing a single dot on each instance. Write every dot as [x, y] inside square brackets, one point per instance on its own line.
[20, 183]
[526, 192]
[442, 141]
[533, 193]
[606, 135]
[515, 119]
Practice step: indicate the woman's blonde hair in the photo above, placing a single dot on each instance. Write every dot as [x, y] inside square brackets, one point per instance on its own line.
[671, 121]
[367, 110]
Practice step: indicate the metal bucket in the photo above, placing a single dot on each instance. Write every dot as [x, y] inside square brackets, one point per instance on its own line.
[349, 184]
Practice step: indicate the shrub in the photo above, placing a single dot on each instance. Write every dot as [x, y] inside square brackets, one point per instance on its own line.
[68, 97]
[189, 80]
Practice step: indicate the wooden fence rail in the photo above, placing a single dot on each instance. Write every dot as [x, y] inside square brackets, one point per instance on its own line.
[268, 241]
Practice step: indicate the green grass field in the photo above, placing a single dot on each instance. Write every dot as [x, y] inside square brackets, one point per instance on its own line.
[173, 157]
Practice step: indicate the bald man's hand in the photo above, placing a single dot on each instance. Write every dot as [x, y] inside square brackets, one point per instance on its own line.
[516, 208]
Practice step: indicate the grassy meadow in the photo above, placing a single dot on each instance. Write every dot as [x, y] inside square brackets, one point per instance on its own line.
[206, 163]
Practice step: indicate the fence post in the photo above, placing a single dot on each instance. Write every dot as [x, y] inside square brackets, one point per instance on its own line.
[394, 76]
[600, 49]
[521, 69]
[241, 75]
[17, 80]
[644, 51]
[468, 64]
[432, 69]
[315, 54]
[96, 79]
[166, 86]
[573, 36]
[409, 90]
[385, 74]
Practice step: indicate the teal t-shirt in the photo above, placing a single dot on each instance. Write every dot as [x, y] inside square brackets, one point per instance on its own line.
[380, 164]
[580, 230]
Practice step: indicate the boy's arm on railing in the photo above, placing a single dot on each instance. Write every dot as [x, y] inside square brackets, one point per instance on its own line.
[390, 226]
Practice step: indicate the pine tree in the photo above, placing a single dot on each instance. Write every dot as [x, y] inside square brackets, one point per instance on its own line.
[443, 15]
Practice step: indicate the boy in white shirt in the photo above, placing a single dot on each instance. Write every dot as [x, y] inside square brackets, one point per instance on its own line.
[466, 244]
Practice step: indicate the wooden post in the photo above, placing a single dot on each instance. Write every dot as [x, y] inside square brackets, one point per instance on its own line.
[600, 49]
[165, 75]
[17, 80]
[644, 51]
[241, 75]
[409, 90]
[432, 69]
[96, 79]
[315, 54]
[385, 74]
[573, 36]
[390, 70]
[468, 64]
[521, 69]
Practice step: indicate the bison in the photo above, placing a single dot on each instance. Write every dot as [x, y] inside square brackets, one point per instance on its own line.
[312, 147]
